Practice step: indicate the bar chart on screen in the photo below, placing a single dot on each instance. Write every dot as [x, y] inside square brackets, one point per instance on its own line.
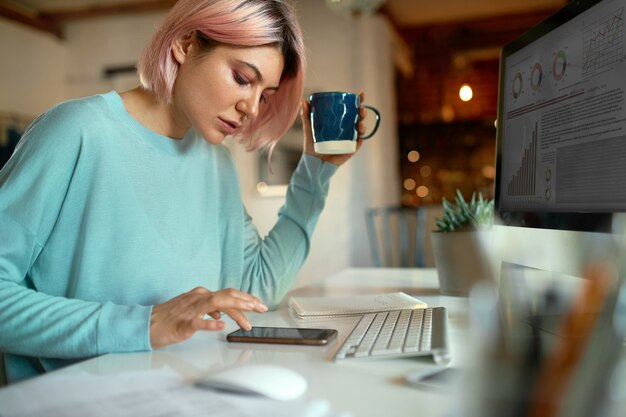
[524, 179]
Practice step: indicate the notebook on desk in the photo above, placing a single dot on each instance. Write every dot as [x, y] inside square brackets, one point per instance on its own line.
[331, 306]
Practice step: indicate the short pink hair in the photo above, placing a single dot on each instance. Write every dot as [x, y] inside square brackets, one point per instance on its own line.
[240, 23]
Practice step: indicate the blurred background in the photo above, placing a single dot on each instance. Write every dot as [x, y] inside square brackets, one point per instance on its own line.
[430, 67]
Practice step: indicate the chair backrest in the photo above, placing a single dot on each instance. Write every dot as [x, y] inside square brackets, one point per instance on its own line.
[399, 236]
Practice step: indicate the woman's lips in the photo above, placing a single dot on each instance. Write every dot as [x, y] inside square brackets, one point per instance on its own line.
[228, 127]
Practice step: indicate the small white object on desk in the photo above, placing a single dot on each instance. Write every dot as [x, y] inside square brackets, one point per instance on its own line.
[275, 382]
[330, 306]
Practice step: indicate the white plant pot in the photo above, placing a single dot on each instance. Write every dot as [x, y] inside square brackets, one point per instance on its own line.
[462, 260]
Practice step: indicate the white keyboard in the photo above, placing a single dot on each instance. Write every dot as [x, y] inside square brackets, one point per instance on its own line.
[399, 333]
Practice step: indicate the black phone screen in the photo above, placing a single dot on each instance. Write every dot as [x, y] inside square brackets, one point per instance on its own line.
[287, 335]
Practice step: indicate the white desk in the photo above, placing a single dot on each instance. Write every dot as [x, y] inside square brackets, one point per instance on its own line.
[361, 387]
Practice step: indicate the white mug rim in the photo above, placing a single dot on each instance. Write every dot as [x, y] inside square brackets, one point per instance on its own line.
[332, 93]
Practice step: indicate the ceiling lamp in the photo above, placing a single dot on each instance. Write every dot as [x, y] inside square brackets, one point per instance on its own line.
[466, 93]
[354, 6]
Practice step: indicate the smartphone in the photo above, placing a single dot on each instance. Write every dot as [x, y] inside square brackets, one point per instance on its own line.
[283, 335]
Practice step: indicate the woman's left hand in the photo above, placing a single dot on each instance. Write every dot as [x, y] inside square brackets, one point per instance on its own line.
[305, 114]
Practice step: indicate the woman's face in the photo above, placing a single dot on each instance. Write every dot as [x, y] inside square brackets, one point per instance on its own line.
[219, 91]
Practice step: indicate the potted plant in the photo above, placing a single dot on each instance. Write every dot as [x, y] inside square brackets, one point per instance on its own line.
[461, 243]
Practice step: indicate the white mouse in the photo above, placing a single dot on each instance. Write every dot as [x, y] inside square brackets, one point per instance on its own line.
[271, 381]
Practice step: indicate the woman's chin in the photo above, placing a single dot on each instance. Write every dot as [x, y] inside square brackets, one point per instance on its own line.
[215, 137]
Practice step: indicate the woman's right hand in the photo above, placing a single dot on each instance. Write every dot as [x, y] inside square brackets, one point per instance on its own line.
[179, 318]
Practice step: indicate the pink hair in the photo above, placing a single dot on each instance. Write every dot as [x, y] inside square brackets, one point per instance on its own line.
[241, 23]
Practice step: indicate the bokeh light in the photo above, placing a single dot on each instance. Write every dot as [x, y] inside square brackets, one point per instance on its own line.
[413, 156]
[409, 184]
[422, 191]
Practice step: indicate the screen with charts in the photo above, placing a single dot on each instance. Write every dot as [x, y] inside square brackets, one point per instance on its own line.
[562, 114]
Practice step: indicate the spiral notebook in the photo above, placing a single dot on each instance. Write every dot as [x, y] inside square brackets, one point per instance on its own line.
[330, 306]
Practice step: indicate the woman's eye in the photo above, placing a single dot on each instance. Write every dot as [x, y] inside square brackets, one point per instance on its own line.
[240, 80]
[263, 99]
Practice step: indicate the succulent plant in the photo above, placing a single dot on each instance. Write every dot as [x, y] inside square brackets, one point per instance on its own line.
[464, 216]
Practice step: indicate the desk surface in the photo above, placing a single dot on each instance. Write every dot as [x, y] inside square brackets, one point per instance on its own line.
[362, 387]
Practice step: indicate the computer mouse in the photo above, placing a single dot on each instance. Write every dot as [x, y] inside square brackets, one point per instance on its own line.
[272, 381]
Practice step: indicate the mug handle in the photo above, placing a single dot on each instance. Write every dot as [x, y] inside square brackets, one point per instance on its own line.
[377, 113]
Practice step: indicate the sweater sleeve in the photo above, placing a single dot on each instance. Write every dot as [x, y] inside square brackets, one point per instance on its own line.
[33, 186]
[271, 263]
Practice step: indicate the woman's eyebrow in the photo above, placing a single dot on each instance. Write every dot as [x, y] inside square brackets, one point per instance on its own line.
[258, 74]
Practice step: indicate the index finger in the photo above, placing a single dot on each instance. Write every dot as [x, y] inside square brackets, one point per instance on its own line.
[240, 318]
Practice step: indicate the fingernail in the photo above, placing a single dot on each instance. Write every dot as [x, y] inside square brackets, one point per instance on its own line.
[263, 307]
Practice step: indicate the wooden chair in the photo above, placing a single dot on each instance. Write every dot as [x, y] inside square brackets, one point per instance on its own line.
[398, 236]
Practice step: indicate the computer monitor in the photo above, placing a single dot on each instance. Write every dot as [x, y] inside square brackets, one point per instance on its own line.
[560, 185]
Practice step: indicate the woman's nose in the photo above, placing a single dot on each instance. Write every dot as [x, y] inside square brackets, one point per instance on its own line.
[250, 106]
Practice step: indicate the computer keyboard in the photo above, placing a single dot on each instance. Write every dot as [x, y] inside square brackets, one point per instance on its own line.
[399, 333]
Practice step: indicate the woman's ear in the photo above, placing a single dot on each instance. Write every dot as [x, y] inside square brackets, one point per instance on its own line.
[181, 47]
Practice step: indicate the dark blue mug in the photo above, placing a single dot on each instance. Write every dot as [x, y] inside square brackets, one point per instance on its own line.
[334, 119]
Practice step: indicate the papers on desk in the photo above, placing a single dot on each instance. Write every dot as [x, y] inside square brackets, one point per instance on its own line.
[330, 306]
[153, 393]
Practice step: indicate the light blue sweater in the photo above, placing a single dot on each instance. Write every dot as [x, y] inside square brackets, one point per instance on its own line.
[101, 218]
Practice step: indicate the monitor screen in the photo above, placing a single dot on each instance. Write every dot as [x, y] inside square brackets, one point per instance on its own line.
[561, 139]
[561, 148]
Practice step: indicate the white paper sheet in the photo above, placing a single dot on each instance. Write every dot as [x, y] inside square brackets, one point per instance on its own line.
[152, 393]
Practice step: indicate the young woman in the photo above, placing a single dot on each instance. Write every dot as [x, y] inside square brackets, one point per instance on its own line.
[122, 222]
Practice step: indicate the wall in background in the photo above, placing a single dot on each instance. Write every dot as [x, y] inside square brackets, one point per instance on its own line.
[32, 78]
[33, 70]
[95, 45]
[344, 54]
